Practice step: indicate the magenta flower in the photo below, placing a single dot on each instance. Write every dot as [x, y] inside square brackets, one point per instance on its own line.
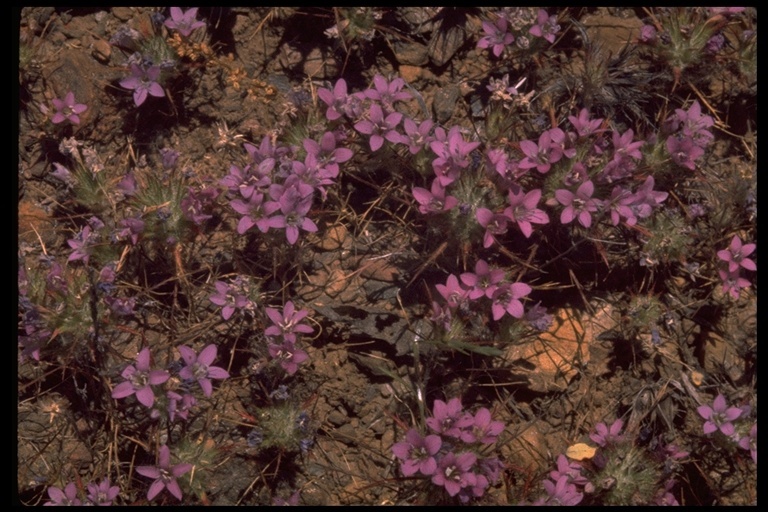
[545, 27]
[179, 405]
[139, 380]
[619, 206]
[506, 299]
[228, 298]
[449, 419]
[67, 497]
[434, 201]
[736, 255]
[749, 442]
[452, 155]
[255, 212]
[719, 416]
[733, 283]
[379, 128]
[496, 36]
[522, 210]
[454, 472]
[67, 109]
[143, 82]
[605, 435]
[483, 281]
[584, 125]
[494, 224]
[81, 245]
[684, 151]
[453, 293]
[184, 21]
[579, 205]
[417, 136]
[327, 154]
[288, 323]
[336, 99]
[570, 469]
[417, 453]
[548, 151]
[199, 367]
[561, 492]
[102, 494]
[164, 474]
[483, 429]
[294, 208]
[387, 93]
[288, 355]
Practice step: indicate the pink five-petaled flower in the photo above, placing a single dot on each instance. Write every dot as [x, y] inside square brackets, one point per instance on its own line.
[164, 474]
[327, 154]
[454, 472]
[142, 82]
[494, 224]
[562, 492]
[506, 299]
[496, 36]
[684, 151]
[387, 93]
[294, 207]
[453, 293]
[67, 109]
[719, 416]
[449, 419]
[605, 435]
[548, 151]
[336, 99]
[417, 136]
[434, 201]
[483, 281]
[545, 27]
[380, 128]
[102, 494]
[288, 323]
[733, 282]
[579, 204]
[139, 380]
[483, 429]
[584, 125]
[67, 497]
[736, 255]
[199, 367]
[227, 298]
[417, 453]
[288, 355]
[184, 21]
[522, 209]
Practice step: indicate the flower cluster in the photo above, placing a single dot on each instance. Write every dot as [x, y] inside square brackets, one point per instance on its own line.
[734, 258]
[275, 189]
[517, 25]
[731, 422]
[690, 135]
[142, 381]
[486, 282]
[451, 455]
[100, 494]
[282, 336]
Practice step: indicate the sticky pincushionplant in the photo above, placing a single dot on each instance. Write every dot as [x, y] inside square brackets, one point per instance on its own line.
[199, 367]
[67, 109]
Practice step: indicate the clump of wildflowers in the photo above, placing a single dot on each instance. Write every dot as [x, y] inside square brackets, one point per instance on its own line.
[452, 457]
[735, 258]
